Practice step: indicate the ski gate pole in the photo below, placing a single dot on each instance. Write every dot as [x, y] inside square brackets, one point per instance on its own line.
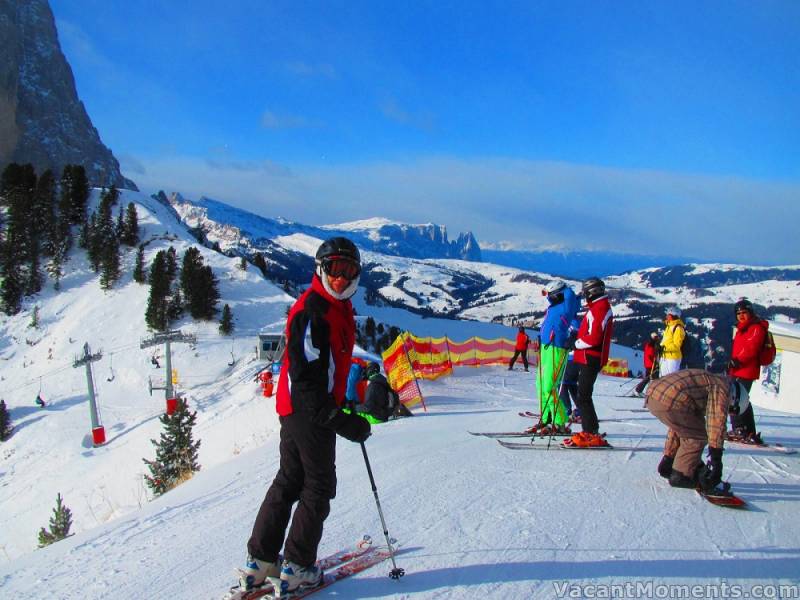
[395, 573]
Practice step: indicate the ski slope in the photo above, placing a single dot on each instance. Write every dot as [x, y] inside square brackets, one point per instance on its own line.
[474, 519]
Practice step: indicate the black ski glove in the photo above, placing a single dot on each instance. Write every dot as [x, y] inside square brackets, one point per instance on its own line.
[571, 341]
[350, 426]
[665, 466]
[712, 475]
[734, 364]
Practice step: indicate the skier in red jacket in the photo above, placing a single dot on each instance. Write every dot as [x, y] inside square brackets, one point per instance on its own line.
[520, 349]
[591, 352]
[744, 366]
[651, 348]
[320, 334]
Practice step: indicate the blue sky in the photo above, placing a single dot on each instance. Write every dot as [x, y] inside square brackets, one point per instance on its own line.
[655, 127]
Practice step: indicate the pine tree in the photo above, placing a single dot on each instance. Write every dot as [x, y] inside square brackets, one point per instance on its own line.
[369, 328]
[45, 212]
[261, 263]
[34, 324]
[74, 194]
[203, 303]
[11, 288]
[243, 264]
[130, 229]
[226, 322]
[60, 523]
[19, 193]
[176, 452]
[175, 305]
[138, 270]
[190, 265]
[171, 264]
[5, 422]
[110, 264]
[156, 313]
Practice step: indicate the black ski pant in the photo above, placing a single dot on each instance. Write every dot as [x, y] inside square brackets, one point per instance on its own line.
[746, 421]
[307, 476]
[587, 375]
[523, 354]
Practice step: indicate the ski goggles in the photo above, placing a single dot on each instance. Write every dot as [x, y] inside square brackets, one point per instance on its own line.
[337, 266]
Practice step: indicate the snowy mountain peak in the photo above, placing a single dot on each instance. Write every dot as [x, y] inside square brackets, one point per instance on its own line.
[240, 232]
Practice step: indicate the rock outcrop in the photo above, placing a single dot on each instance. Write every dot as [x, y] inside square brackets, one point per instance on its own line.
[42, 120]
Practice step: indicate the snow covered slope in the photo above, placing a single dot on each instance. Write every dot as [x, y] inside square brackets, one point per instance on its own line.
[475, 519]
[51, 451]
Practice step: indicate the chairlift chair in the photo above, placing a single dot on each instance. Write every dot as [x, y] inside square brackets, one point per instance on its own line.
[111, 367]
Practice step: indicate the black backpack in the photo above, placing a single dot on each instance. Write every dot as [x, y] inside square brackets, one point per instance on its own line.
[689, 350]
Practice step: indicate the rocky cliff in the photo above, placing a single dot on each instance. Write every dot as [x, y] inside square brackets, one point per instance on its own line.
[42, 120]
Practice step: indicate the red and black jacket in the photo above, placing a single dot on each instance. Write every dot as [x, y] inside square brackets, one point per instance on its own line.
[320, 334]
[594, 334]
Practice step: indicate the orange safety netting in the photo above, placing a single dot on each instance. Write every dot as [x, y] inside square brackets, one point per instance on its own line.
[616, 367]
[401, 375]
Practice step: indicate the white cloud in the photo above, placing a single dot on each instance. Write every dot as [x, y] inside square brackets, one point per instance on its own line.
[529, 203]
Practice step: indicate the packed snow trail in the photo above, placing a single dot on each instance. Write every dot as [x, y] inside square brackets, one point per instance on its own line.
[476, 520]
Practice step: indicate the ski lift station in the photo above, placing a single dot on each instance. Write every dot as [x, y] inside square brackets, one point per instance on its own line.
[270, 346]
[779, 385]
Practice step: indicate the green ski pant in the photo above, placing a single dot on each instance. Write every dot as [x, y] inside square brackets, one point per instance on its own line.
[552, 362]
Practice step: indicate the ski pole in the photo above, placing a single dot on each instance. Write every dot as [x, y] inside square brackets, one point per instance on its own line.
[395, 573]
[555, 398]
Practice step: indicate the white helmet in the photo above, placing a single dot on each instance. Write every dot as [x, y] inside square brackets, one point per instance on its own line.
[674, 311]
[555, 286]
[740, 398]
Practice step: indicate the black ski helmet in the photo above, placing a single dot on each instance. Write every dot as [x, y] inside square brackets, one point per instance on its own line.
[593, 288]
[337, 247]
[744, 305]
[372, 369]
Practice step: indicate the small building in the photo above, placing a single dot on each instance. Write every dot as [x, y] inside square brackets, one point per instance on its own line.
[778, 388]
[271, 347]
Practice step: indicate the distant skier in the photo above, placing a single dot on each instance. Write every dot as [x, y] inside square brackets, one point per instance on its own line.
[591, 352]
[354, 378]
[520, 349]
[744, 365]
[671, 342]
[651, 348]
[320, 335]
[559, 320]
[693, 404]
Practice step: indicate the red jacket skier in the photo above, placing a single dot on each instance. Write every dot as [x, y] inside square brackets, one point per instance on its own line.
[744, 365]
[320, 334]
[591, 353]
[520, 349]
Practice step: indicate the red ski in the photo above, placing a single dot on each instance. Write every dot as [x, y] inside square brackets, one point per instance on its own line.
[369, 559]
[362, 547]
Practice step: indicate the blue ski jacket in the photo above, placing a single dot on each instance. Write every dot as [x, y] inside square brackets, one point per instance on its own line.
[560, 319]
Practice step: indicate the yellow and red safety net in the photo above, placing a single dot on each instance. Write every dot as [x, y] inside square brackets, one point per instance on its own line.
[401, 375]
[616, 367]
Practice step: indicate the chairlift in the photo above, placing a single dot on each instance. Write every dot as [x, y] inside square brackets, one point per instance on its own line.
[39, 400]
[154, 361]
[111, 367]
[233, 358]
